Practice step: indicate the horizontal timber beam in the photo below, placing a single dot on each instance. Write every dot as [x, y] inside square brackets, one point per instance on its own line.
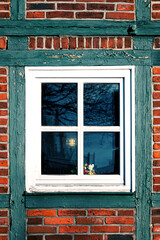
[78, 27]
[74, 57]
[80, 200]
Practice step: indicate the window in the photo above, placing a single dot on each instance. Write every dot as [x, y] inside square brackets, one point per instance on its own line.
[80, 129]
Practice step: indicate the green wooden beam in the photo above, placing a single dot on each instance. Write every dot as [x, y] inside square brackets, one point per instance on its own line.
[74, 57]
[143, 10]
[143, 151]
[80, 200]
[155, 200]
[4, 200]
[17, 152]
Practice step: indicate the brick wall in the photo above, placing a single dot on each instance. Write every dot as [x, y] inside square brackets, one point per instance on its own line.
[4, 9]
[4, 162]
[80, 9]
[74, 42]
[155, 223]
[155, 9]
[4, 224]
[81, 224]
[156, 128]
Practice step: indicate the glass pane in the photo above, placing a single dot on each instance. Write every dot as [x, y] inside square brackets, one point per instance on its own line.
[101, 104]
[59, 104]
[101, 153]
[59, 153]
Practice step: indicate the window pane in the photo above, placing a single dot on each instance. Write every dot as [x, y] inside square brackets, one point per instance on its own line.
[101, 104]
[101, 153]
[59, 153]
[59, 104]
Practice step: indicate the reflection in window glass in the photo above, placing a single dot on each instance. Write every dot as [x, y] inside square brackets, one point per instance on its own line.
[59, 153]
[59, 104]
[101, 153]
[101, 104]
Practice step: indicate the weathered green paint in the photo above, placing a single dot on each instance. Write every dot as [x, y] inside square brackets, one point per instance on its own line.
[143, 10]
[21, 9]
[85, 200]
[75, 57]
[155, 200]
[14, 10]
[143, 150]
[18, 43]
[155, 58]
[17, 152]
[4, 200]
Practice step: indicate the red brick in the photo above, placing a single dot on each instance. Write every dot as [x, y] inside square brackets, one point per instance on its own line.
[156, 171]
[156, 112]
[156, 15]
[89, 237]
[90, 220]
[3, 105]
[3, 213]
[65, 43]
[3, 71]
[60, 14]
[128, 1]
[3, 79]
[3, 112]
[104, 229]
[111, 42]
[3, 229]
[119, 42]
[4, 7]
[3, 130]
[4, 14]
[58, 221]
[48, 43]
[104, 42]
[3, 154]
[156, 211]
[3, 43]
[36, 237]
[70, 6]
[32, 221]
[156, 237]
[88, 42]
[89, 15]
[156, 229]
[156, 129]
[156, 103]
[80, 42]
[32, 43]
[156, 188]
[41, 229]
[72, 43]
[155, 219]
[56, 43]
[3, 180]
[156, 70]
[156, 162]
[35, 15]
[3, 237]
[73, 229]
[3, 172]
[119, 220]
[95, 42]
[40, 42]
[100, 6]
[119, 15]
[125, 212]
[126, 229]
[156, 43]
[3, 96]
[41, 212]
[101, 212]
[71, 212]
[156, 87]
[4, 221]
[127, 42]
[41, 6]
[156, 95]
[3, 189]
[156, 78]
[58, 237]
[90, 1]
[156, 146]
[156, 154]
[3, 88]
[125, 7]
[156, 138]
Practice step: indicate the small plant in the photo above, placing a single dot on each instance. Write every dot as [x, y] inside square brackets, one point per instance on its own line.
[89, 169]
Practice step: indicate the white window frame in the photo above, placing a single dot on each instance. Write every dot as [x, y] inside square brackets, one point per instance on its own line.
[125, 181]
